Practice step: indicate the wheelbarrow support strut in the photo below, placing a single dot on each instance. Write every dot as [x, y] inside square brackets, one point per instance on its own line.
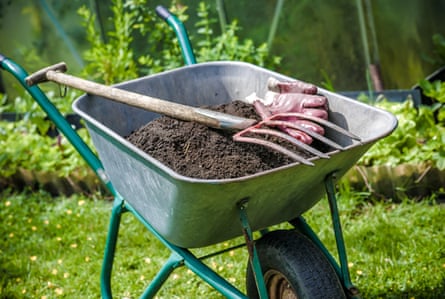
[179, 257]
[250, 244]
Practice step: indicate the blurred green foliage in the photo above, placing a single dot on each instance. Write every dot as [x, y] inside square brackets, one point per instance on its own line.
[318, 41]
[118, 58]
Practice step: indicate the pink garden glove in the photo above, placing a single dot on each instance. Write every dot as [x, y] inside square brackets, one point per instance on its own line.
[293, 96]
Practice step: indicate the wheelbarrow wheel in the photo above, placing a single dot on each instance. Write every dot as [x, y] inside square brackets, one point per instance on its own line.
[293, 268]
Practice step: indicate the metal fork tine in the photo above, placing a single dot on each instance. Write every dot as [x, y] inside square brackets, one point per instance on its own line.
[274, 146]
[318, 120]
[305, 130]
[291, 140]
[276, 120]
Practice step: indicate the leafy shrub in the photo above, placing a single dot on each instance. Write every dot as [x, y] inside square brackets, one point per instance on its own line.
[417, 139]
[24, 147]
[436, 91]
[116, 59]
[227, 46]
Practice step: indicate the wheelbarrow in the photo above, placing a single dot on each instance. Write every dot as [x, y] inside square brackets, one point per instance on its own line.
[184, 212]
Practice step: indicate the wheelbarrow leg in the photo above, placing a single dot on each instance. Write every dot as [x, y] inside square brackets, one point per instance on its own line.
[188, 259]
[253, 255]
[110, 247]
[174, 261]
[345, 277]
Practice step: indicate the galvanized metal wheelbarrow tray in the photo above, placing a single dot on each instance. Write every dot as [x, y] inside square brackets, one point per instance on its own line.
[191, 212]
[185, 212]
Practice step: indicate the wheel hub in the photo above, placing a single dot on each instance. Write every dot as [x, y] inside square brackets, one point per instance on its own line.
[278, 287]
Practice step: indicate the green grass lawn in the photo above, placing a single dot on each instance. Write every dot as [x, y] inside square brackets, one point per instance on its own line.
[53, 247]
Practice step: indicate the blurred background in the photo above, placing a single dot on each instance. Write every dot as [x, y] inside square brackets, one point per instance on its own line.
[324, 42]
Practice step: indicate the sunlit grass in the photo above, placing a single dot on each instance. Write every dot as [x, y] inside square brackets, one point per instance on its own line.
[53, 247]
[395, 250]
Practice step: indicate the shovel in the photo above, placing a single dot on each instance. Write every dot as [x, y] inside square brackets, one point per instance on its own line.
[207, 117]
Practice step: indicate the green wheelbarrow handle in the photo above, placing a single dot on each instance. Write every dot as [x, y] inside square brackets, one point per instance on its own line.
[180, 31]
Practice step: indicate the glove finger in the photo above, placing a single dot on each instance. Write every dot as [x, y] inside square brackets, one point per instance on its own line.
[299, 135]
[295, 86]
[294, 102]
[320, 113]
[314, 101]
[310, 126]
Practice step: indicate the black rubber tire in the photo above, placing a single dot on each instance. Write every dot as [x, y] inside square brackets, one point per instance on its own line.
[293, 267]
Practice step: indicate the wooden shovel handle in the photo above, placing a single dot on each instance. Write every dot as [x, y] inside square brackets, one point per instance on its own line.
[183, 112]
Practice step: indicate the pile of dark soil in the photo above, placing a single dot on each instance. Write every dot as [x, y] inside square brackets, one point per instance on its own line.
[197, 151]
